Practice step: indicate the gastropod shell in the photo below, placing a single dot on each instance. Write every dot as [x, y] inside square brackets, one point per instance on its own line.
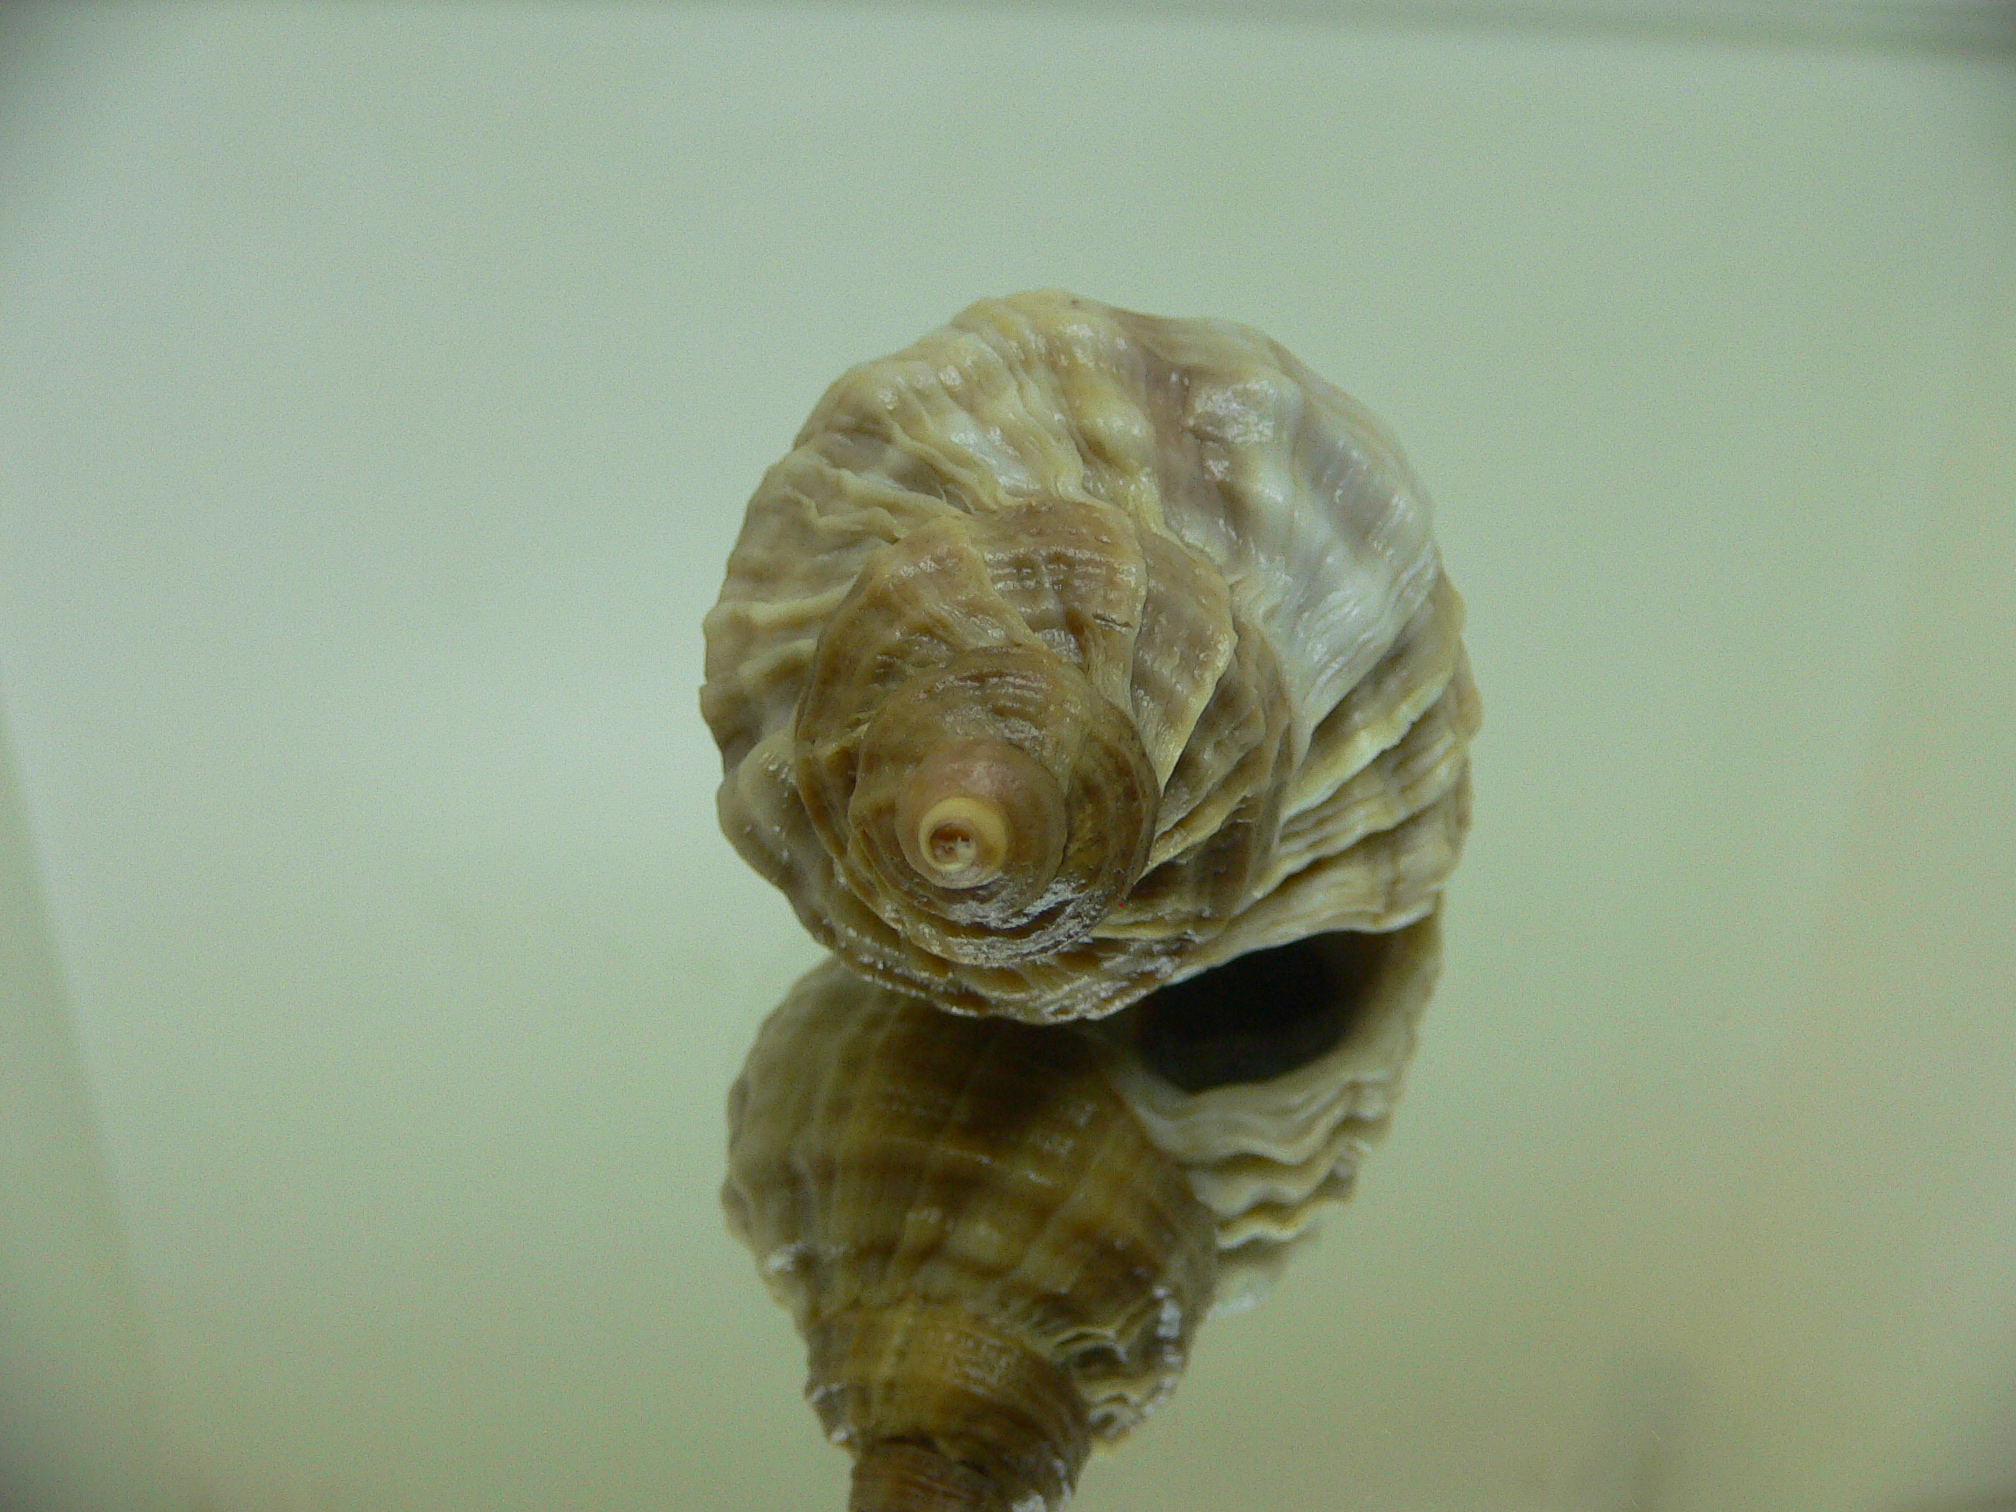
[1071, 652]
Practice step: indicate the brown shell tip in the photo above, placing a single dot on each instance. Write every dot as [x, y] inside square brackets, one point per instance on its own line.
[900, 1475]
[977, 809]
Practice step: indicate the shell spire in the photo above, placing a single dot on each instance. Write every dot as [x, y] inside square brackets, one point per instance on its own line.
[991, 1263]
[997, 1240]
[1070, 651]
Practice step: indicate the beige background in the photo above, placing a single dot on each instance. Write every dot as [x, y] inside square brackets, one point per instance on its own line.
[379, 390]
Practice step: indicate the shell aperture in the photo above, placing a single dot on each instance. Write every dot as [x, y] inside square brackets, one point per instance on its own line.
[1072, 651]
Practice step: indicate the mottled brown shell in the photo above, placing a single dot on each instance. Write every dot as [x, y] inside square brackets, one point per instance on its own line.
[1071, 651]
[990, 1262]
[996, 1239]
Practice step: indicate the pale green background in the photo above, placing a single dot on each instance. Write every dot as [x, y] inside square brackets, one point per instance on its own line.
[379, 392]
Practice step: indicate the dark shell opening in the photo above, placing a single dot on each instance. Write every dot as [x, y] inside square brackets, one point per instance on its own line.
[1262, 1015]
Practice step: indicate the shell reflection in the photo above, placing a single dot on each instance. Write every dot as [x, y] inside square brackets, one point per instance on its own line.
[998, 1239]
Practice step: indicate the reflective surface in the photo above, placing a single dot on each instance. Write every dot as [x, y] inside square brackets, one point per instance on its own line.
[379, 395]
[998, 1239]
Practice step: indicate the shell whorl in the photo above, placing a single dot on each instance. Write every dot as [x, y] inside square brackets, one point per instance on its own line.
[929, 697]
[1071, 650]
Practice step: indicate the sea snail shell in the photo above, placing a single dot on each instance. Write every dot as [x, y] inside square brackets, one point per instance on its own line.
[990, 1262]
[1071, 651]
[997, 1240]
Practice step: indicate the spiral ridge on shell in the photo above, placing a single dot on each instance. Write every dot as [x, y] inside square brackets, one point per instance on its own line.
[1072, 651]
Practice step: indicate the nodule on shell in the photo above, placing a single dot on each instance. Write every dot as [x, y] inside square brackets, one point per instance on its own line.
[1071, 651]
